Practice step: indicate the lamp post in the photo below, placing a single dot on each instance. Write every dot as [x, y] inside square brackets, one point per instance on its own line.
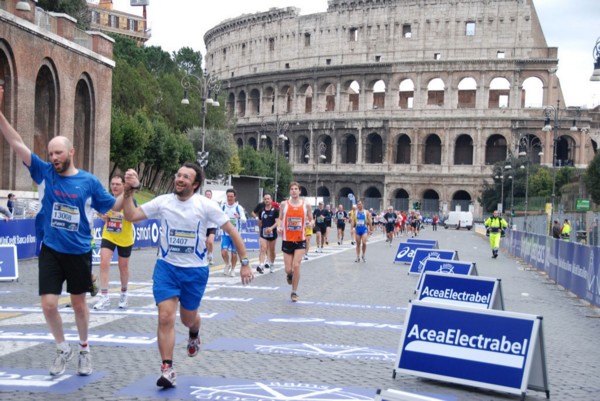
[528, 143]
[206, 86]
[551, 113]
[501, 178]
[596, 53]
[278, 127]
[321, 148]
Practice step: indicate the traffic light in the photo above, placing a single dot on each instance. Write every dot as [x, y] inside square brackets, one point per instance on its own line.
[202, 158]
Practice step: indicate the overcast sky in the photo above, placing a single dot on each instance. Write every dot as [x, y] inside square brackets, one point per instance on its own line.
[571, 25]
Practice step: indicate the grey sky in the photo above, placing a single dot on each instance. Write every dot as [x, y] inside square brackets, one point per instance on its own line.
[571, 25]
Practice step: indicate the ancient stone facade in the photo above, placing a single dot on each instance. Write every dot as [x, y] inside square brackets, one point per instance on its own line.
[57, 80]
[397, 101]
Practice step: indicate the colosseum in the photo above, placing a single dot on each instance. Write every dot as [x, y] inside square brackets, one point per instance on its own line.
[399, 101]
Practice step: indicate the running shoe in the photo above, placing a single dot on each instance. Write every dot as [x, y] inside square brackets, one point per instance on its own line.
[62, 357]
[168, 377]
[103, 303]
[193, 346]
[84, 366]
[232, 272]
[363, 258]
[260, 269]
[123, 300]
[226, 270]
[294, 297]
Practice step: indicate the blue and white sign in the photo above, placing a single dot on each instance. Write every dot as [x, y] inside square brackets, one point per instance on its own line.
[406, 251]
[423, 241]
[486, 348]
[422, 255]
[9, 266]
[448, 267]
[39, 381]
[236, 389]
[452, 289]
[397, 395]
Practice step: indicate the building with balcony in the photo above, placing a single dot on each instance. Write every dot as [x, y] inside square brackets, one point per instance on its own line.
[106, 19]
[398, 101]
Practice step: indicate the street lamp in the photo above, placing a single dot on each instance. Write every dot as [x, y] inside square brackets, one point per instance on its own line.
[596, 53]
[279, 128]
[551, 113]
[501, 178]
[527, 144]
[321, 149]
[205, 85]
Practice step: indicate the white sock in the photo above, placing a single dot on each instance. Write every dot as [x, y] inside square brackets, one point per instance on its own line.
[64, 346]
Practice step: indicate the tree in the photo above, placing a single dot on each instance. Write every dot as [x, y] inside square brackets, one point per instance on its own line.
[77, 9]
[188, 61]
[129, 137]
[592, 178]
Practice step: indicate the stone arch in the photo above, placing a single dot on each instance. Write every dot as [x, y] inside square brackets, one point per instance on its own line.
[287, 98]
[328, 98]
[402, 149]
[241, 103]
[499, 96]
[240, 143]
[324, 147]
[431, 202]
[352, 98]
[495, 149]
[372, 198]
[532, 93]
[84, 134]
[467, 93]
[7, 67]
[254, 102]
[433, 150]
[406, 94]
[349, 149]
[231, 104]
[252, 142]
[379, 90]
[303, 150]
[435, 92]
[530, 147]
[400, 199]
[268, 101]
[46, 115]
[344, 199]
[461, 198]
[463, 150]
[565, 151]
[374, 148]
[305, 97]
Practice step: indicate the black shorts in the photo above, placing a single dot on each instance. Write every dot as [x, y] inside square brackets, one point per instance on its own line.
[272, 238]
[341, 226]
[123, 251]
[321, 228]
[211, 231]
[389, 228]
[56, 267]
[290, 247]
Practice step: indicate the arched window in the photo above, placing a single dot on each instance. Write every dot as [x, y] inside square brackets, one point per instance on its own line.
[379, 95]
[403, 150]
[533, 93]
[435, 92]
[433, 150]
[463, 150]
[499, 93]
[495, 149]
[406, 94]
[374, 149]
[467, 93]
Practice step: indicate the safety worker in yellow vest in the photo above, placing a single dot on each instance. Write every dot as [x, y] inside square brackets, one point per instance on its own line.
[495, 226]
[565, 232]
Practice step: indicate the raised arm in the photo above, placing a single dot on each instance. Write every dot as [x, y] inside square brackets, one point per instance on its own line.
[131, 212]
[12, 136]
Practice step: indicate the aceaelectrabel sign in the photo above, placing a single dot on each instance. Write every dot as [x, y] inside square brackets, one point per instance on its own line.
[406, 251]
[397, 395]
[451, 289]
[423, 241]
[422, 255]
[9, 267]
[497, 350]
[447, 266]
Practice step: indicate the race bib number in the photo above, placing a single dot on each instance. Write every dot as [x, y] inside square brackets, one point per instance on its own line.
[114, 224]
[181, 241]
[294, 224]
[267, 234]
[320, 219]
[233, 221]
[65, 217]
[360, 222]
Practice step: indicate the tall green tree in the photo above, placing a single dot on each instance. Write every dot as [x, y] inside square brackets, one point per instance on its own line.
[188, 60]
[592, 178]
[128, 139]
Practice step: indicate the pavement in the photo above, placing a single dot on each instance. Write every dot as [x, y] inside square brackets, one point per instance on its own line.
[340, 342]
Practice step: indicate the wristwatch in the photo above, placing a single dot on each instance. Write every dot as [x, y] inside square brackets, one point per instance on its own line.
[245, 262]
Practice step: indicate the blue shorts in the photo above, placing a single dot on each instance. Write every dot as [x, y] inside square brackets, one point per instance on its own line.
[227, 244]
[186, 283]
[361, 230]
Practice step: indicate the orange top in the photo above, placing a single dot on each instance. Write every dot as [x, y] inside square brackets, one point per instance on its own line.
[293, 222]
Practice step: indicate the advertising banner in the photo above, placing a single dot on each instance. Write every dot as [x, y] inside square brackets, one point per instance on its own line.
[9, 266]
[397, 395]
[452, 289]
[496, 350]
[423, 241]
[422, 255]
[406, 251]
[448, 267]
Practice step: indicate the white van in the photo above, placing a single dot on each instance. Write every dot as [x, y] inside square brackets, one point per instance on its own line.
[459, 220]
